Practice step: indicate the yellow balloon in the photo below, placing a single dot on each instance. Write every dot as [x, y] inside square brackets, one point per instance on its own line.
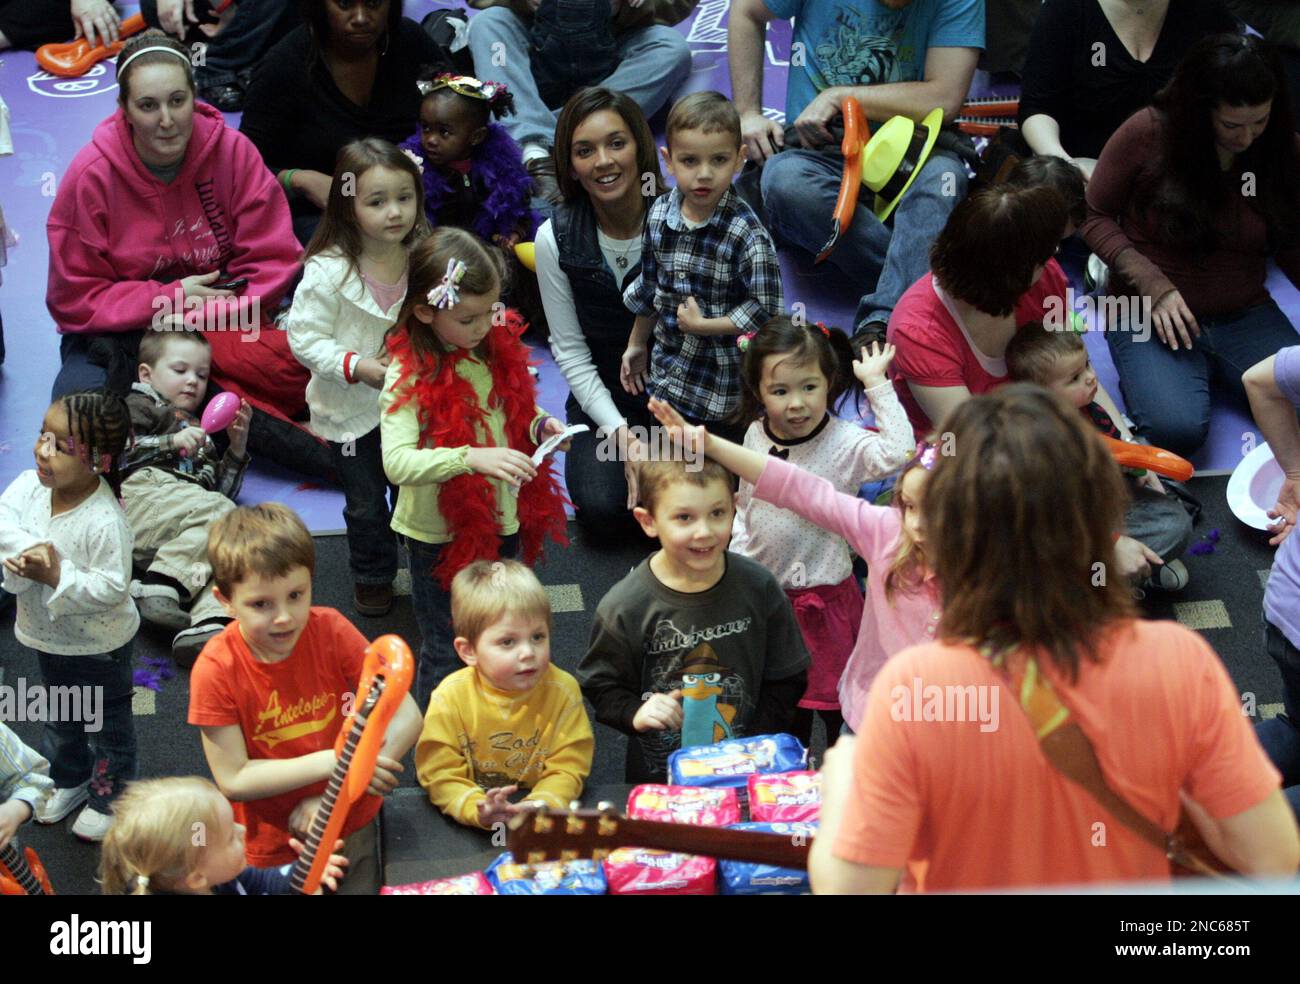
[527, 255]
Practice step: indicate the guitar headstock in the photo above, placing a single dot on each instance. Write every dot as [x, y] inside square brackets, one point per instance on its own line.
[542, 835]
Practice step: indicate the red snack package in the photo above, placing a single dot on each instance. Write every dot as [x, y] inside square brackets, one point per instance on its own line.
[701, 805]
[640, 871]
[785, 797]
[475, 883]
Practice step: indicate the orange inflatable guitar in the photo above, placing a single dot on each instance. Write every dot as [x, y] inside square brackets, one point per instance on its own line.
[1158, 460]
[386, 676]
[22, 874]
[856, 134]
[73, 58]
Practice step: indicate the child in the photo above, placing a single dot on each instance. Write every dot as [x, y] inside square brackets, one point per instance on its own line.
[353, 285]
[1156, 515]
[178, 836]
[459, 421]
[66, 548]
[708, 270]
[695, 645]
[269, 693]
[509, 719]
[176, 485]
[902, 597]
[25, 784]
[798, 374]
[1059, 174]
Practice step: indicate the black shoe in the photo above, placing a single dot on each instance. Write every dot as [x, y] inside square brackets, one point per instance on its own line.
[542, 171]
[372, 600]
[227, 98]
[871, 333]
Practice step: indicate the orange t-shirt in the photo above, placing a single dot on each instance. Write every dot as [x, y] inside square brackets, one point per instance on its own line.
[285, 710]
[974, 803]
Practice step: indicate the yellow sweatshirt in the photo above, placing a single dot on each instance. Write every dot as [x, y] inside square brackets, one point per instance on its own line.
[476, 737]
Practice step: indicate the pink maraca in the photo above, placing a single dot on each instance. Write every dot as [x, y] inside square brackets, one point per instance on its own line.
[220, 412]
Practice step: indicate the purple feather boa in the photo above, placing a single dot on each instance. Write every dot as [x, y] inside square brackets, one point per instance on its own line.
[497, 165]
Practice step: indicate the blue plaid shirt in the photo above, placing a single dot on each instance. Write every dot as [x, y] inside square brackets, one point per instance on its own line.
[729, 266]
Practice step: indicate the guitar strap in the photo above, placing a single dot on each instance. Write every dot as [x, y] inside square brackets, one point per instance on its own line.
[1071, 753]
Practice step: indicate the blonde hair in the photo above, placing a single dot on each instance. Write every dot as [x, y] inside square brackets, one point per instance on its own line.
[908, 568]
[485, 591]
[154, 840]
[267, 540]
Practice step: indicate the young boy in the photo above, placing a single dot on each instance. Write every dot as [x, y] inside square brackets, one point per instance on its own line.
[25, 784]
[270, 692]
[177, 485]
[695, 645]
[1156, 515]
[708, 271]
[510, 719]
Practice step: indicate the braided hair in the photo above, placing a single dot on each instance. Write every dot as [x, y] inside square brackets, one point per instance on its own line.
[100, 424]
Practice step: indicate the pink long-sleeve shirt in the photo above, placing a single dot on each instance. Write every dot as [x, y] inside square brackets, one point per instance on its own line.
[889, 625]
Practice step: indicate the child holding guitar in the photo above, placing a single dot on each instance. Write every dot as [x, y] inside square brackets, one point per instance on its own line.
[25, 784]
[270, 693]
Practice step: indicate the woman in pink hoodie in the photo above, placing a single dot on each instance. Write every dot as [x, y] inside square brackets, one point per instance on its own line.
[169, 218]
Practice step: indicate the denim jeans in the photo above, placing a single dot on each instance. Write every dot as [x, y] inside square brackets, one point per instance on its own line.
[1280, 736]
[652, 63]
[106, 757]
[800, 188]
[432, 606]
[256, 27]
[572, 46]
[372, 544]
[598, 489]
[1167, 393]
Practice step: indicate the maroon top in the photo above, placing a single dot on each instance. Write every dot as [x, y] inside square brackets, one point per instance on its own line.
[1122, 230]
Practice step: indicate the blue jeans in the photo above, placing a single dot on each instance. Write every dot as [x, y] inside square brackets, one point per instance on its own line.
[256, 27]
[107, 757]
[432, 606]
[372, 544]
[1280, 736]
[800, 188]
[652, 63]
[1167, 393]
[598, 489]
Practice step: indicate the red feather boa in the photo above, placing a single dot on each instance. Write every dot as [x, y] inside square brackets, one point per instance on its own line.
[448, 411]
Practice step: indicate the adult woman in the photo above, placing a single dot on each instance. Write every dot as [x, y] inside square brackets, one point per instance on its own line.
[348, 72]
[608, 172]
[1189, 200]
[32, 23]
[1020, 518]
[952, 326]
[162, 205]
[1093, 63]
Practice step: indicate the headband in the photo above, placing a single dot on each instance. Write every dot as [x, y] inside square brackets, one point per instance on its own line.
[153, 47]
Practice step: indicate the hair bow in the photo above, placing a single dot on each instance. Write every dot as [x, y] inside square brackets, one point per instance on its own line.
[415, 159]
[927, 454]
[447, 293]
[743, 341]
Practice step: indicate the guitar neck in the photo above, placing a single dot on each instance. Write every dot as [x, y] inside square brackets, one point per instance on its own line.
[12, 858]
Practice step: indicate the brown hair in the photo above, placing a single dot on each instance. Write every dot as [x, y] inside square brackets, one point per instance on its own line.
[1035, 349]
[152, 38]
[152, 844]
[153, 344]
[1044, 170]
[654, 477]
[908, 568]
[339, 227]
[708, 112]
[487, 590]
[1020, 227]
[267, 540]
[584, 103]
[1020, 528]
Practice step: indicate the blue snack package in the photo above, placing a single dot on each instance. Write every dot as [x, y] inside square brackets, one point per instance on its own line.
[731, 763]
[754, 878]
[549, 878]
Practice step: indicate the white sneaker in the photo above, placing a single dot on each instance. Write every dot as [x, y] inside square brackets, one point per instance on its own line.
[1173, 576]
[91, 825]
[62, 802]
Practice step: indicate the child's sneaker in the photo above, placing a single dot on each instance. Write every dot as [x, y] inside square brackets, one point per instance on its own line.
[372, 599]
[1172, 576]
[188, 643]
[62, 802]
[159, 604]
[91, 825]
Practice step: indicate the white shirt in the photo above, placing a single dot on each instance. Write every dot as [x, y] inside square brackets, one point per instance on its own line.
[91, 610]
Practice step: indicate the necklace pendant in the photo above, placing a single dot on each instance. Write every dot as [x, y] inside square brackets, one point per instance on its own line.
[621, 261]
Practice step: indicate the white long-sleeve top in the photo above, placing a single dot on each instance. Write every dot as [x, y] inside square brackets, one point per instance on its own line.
[333, 313]
[90, 611]
[798, 552]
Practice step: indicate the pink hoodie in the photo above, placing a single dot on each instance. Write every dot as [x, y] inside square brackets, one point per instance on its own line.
[121, 241]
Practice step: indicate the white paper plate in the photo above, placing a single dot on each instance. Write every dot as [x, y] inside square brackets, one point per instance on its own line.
[1253, 487]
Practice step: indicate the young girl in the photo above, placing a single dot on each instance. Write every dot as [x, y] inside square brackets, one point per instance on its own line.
[459, 421]
[66, 548]
[353, 285]
[797, 375]
[902, 596]
[178, 836]
[474, 176]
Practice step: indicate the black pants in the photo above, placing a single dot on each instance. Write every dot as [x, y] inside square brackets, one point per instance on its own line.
[32, 23]
[372, 544]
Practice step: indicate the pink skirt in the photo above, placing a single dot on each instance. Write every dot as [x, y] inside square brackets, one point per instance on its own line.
[829, 616]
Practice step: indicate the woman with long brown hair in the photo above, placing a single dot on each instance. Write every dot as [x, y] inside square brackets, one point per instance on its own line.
[949, 788]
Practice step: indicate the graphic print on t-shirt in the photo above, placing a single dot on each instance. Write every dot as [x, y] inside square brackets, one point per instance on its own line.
[279, 724]
[509, 758]
[855, 49]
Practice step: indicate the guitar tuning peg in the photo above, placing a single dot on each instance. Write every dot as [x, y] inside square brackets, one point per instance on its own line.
[605, 806]
[575, 805]
[574, 825]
